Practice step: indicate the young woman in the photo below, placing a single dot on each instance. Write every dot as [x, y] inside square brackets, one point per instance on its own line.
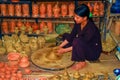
[84, 40]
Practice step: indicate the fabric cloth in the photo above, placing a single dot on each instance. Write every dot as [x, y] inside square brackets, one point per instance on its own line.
[86, 43]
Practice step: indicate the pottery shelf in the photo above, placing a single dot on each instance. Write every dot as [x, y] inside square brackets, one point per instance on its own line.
[20, 2]
[99, 20]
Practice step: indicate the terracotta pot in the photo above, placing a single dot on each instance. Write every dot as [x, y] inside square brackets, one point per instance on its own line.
[4, 9]
[42, 25]
[12, 26]
[50, 27]
[5, 27]
[25, 10]
[71, 9]
[49, 10]
[64, 10]
[13, 56]
[18, 10]
[56, 11]
[11, 9]
[42, 10]
[35, 10]
[2, 64]
[19, 24]
[24, 62]
[35, 26]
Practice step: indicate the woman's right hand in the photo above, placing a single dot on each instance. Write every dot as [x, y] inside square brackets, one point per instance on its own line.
[61, 51]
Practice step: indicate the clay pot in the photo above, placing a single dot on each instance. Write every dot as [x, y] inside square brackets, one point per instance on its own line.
[24, 62]
[56, 11]
[25, 10]
[49, 10]
[5, 27]
[64, 10]
[42, 25]
[18, 10]
[27, 71]
[2, 64]
[42, 10]
[27, 25]
[71, 9]
[90, 7]
[12, 26]
[11, 10]
[50, 27]
[4, 9]
[19, 24]
[35, 26]
[35, 10]
[13, 56]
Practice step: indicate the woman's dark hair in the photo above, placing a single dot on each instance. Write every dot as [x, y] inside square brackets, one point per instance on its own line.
[82, 10]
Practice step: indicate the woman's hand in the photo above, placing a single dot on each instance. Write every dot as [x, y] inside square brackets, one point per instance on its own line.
[61, 51]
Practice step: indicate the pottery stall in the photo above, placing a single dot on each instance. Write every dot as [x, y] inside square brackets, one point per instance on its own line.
[31, 32]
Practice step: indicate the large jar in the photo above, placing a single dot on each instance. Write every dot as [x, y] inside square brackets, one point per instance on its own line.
[19, 24]
[35, 26]
[71, 9]
[25, 10]
[64, 10]
[4, 9]
[56, 11]
[35, 10]
[49, 10]
[11, 9]
[5, 27]
[42, 10]
[27, 25]
[50, 27]
[96, 9]
[42, 25]
[12, 25]
[18, 10]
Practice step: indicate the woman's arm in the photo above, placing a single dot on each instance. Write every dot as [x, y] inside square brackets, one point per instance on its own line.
[63, 43]
[64, 50]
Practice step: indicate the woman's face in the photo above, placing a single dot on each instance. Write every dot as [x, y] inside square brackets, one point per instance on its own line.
[79, 19]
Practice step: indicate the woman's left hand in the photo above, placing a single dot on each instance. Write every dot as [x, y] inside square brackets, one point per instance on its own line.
[61, 51]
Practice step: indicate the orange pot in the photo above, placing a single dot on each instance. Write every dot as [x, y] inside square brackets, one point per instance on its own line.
[35, 10]
[56, 11]
[35, 26]
[19, 24]
[71, 9]
[50, 27]
[25, 10]
[5, 27]
[18, 10]
[11, 9]
[49, 10]
[28, 25]
[13, 56]
[12, 26]
[4, 9]
[64, 10]
[42, 10]
[42, 25]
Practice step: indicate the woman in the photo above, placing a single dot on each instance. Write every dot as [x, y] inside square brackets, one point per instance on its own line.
[84, 40]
